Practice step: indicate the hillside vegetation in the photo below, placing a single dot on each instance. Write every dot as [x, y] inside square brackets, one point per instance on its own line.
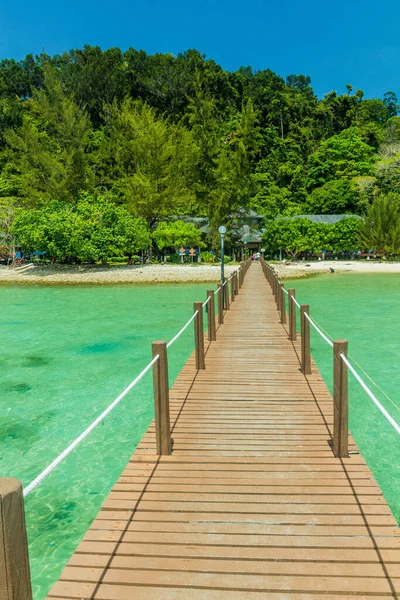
[96, 140]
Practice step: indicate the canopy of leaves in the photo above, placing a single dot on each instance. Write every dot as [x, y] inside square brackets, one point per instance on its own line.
[171, 135]
[91, 230]
[380, 230]
[177, 234]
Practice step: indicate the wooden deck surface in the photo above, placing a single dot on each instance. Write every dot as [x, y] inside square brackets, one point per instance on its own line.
[252, 503]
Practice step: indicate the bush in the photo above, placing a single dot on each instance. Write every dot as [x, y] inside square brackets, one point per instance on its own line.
[227, 259]
[207, 257]
[175, 259]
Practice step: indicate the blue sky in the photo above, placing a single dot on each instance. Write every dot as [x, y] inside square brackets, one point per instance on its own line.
[353, 41]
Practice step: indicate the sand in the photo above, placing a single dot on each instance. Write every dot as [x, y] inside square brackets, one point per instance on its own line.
[81, 275]
[85, 275]
[304, 268]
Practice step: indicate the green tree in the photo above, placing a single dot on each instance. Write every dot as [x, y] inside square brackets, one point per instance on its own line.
[90, 230]
[145, 159]
[296, 235]
[177, 234]
[380, 228]
[345, 155]
[345, 235]
[48, 152]
[334, 197]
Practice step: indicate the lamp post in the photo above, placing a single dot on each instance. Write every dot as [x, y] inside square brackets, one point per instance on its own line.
[222, 231]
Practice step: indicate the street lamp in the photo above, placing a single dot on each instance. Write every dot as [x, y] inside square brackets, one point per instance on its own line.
[222, 231]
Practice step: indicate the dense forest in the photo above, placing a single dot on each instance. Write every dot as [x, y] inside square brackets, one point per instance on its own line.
[99, 148]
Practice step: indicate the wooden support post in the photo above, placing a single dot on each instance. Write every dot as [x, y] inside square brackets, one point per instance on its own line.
[235, 279]
[226, 294]
[161, 398]
[283, 305]
[220, 305]
[233, 288]
[199, 336]
[340, 401]
[15, 581]
[305, 340]
[212, 336]
[292, 315]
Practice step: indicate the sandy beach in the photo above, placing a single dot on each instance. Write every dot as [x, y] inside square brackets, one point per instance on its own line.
[85, 275]
[97, 275]
[304, 268]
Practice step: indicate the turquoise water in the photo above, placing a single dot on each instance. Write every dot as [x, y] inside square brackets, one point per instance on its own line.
[364, 309]
[68, 352]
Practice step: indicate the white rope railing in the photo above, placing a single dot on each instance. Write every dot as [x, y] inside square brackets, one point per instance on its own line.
[370, 394]
[182, 330]
[328, 341]
[206, 302]
[83, 435]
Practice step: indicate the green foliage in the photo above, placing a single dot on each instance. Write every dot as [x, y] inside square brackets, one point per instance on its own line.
[91, 230]
[342, 155]
[301, 235]
[344, 235]
[177, 234]
[380, 229]
[334, 197]
[207, 257]
[163, 135]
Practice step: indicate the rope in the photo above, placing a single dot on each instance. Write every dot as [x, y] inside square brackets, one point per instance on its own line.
[83, 435]
[206, 302]
[370, 394]
[295, 301]
[286, 292]
[328, 341]
[363, 370]
[182, 330]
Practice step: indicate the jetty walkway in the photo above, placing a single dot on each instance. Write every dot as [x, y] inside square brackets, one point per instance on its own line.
[252, 502]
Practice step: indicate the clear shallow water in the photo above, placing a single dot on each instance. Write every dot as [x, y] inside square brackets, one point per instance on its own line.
[67, 353]
[365, 310]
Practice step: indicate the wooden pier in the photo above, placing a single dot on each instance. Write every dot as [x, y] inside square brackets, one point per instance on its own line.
[252, 503]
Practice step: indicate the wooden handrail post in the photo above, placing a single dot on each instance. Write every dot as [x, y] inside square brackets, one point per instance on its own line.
[212, 336]
[220, 305]
[199, 336]
[305, 340]
[161, 398]
[283, 305]
[340, 400]
[233, 288]
[292, 315]
[15, 581]
[226, 294]
[236, 283]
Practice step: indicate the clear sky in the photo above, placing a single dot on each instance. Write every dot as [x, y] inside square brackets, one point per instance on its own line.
[345, 41]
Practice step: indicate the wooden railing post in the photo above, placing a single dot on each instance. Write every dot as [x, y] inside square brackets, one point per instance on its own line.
[292, 315]
[212, 336]
[199, 336]
[283, 305]
[15, 581]
[161, 398]
[235, 279]
[232, 280]
[226, 294]
[305, 340]
[340, 400]
[220, 305]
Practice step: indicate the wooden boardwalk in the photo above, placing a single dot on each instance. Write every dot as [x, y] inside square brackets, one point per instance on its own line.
[252, 503]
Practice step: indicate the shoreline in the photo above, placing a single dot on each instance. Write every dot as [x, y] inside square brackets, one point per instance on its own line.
[176, 274]
[124, 275]
[303, 268]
